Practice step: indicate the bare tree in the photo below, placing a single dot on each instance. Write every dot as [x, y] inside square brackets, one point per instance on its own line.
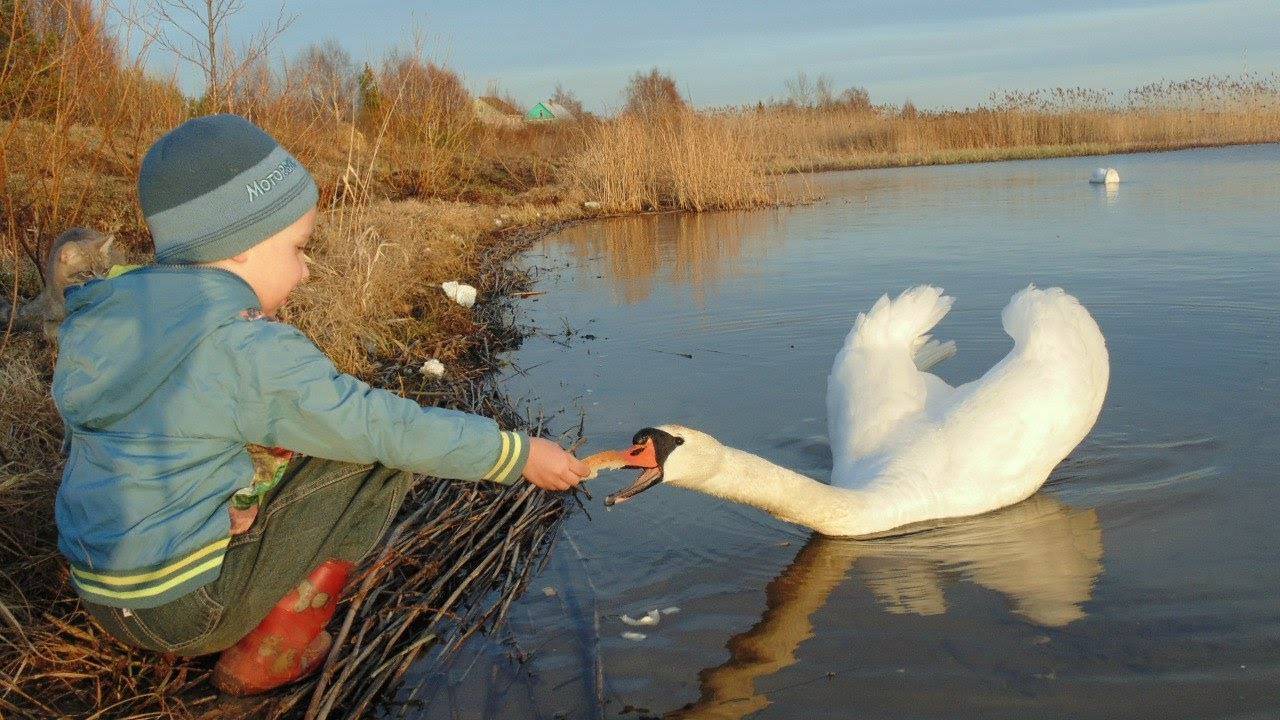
[799, 90]
[856, 98]
[823, 96]
[820, 94]
[195, 31]
[653, 93]
[566, 98]
[328, 76]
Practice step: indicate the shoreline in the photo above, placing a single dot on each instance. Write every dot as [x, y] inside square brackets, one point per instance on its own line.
[987, 155]
[979, 156]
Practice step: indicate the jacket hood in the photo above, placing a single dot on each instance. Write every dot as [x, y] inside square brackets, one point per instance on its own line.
[125, 336]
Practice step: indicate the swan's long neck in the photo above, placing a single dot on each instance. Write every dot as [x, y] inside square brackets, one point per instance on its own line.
[786, 494]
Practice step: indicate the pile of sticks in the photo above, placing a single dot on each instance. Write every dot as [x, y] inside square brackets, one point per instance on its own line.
[452, 568]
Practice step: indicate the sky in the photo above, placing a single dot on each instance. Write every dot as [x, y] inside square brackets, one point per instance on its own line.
[937, 54]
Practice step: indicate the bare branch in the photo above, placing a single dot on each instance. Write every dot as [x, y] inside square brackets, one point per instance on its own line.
[194, 31]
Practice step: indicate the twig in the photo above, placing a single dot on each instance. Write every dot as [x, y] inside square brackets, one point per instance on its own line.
[686, 356]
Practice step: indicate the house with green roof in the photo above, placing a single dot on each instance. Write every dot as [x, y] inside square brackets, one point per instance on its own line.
[548, 110]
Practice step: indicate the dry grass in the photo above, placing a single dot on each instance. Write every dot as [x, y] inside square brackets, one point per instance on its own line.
[682, 160]
[30, 437]
[374, 291]
[1197, 112]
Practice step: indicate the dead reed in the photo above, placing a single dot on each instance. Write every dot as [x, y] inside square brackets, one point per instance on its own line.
[457, 558]
[681, 160]
[374, 292]
[1042, 123]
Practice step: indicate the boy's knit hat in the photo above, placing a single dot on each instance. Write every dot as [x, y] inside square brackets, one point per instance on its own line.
[217, 185]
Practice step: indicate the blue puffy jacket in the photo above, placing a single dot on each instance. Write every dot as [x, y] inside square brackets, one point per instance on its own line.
[163, 377]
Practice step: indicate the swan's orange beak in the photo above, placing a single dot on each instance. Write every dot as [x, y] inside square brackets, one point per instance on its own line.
[649, 450]
[642, 455]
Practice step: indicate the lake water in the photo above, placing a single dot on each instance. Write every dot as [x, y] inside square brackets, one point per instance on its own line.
[1141, 581]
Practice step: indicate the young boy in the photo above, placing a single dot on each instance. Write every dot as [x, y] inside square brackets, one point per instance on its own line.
[223, 476]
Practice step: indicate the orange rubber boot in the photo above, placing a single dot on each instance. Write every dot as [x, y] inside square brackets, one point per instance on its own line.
[291, 642]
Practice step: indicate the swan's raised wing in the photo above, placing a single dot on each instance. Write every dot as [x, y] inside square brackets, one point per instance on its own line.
[875, 384]
[1010, 427]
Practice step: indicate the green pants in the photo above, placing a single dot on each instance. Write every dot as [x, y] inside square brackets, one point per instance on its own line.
[321, 509]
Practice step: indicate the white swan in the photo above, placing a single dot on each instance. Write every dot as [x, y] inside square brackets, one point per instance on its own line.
[906, 446]
[1104, 176]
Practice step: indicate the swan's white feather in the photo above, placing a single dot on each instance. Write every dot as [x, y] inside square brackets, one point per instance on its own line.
[874, 383]
[919, 449]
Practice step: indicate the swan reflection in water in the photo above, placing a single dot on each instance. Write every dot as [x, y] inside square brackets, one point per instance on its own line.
[1041, 555]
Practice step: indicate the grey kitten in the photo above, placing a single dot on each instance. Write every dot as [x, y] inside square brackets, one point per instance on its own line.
[78, 254]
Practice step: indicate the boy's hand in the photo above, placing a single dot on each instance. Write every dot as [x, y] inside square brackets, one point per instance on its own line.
[550, 467]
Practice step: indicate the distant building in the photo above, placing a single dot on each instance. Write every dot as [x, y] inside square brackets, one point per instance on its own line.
[497, 112]
[548, 111]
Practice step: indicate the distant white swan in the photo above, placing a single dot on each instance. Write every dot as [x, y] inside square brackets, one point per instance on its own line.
[1104, 176]
[906, 446]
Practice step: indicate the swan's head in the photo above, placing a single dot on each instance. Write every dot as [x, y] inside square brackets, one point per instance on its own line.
[670, 454]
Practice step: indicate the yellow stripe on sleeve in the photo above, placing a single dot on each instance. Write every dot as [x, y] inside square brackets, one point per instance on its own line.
[515, 455]
[502, 456]
[154, 574]
[154, 589]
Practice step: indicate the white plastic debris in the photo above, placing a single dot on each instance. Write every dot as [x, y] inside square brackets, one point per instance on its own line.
[549, 591]
[461, 293]
[432, 368]
[649, 618]
[637, 636]
[670, 610]
[591, 205]
[1104, 176]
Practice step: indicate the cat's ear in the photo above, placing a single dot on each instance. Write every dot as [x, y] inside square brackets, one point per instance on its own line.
[105, 245]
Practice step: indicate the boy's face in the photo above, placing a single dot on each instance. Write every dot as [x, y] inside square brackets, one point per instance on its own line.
[275, 266]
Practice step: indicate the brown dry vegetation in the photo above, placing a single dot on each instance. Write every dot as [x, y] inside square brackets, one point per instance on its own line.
[374, 291]
[415, 191]
[1073, 121]
[679, 159]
